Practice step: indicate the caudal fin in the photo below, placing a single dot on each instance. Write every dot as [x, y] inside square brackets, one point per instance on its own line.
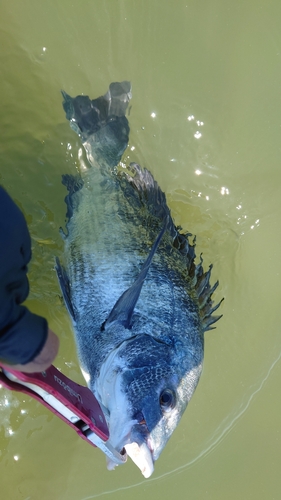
[101, 123]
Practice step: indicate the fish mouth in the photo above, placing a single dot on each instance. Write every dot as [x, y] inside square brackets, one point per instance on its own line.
[139, 448]
[141, 455]
[136, 446]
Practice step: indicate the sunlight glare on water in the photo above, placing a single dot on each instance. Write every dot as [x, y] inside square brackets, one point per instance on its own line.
[205, 119]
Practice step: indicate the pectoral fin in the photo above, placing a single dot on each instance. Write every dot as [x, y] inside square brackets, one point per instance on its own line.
[123, 310]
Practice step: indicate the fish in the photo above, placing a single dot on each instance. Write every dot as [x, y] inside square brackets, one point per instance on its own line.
[138, 301]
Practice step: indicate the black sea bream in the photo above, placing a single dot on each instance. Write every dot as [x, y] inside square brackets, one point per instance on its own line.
[138, 302]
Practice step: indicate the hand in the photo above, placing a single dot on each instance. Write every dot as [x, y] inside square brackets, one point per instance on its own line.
[44, 358]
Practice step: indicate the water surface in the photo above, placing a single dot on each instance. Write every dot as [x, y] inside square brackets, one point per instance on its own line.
[205, 119]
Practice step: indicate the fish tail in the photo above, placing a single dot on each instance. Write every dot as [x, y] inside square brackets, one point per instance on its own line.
[101, 123]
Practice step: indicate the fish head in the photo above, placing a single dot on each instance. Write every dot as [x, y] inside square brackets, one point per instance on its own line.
[147, 393]
[157, 412]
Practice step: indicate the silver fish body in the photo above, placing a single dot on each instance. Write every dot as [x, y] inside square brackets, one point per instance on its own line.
[138, 302]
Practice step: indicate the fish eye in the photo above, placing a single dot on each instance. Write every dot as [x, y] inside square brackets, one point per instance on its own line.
[167, 400]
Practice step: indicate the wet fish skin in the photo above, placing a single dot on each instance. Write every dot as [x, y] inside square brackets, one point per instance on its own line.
[138, 302]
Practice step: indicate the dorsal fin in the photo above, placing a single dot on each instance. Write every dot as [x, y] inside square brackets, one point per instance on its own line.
[201, 283]
[150, 195]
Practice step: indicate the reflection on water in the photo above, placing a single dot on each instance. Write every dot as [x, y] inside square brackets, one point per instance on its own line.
[205, 119]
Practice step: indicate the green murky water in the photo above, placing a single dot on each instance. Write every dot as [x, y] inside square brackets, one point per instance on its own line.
[211, 74]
